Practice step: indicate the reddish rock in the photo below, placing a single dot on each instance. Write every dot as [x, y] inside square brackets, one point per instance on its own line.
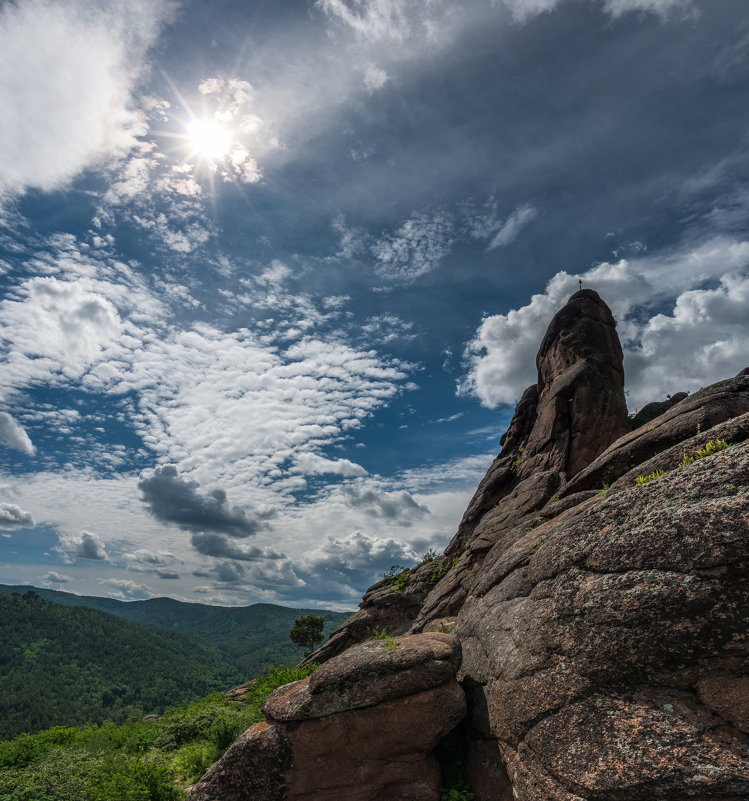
[366, 675]
[253, 769]
[363, 730]
[689, 418]
[381, 753]
[581, 404]
[728, 697]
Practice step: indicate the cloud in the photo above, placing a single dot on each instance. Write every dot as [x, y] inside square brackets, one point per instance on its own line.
[487, 223]
[399, 507]
[373, 20]
[68, 70]
[374, 78]
[512, 227]
[211, 544]
[524, 10]
[313, 464]
[229, 572]
[416, 248]
[383, 329]
[167, 574]
[57, 578]
[86, 545]
[172, 499]
[12, 517]
[351, 562]
[125, 589]
[697, 343]
[14, 435]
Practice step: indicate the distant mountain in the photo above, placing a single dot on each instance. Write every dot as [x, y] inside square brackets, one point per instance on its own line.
[248, 637]
[70, 666]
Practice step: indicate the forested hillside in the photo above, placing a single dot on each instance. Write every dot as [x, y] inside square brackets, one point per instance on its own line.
[249, 637]
[69, 666]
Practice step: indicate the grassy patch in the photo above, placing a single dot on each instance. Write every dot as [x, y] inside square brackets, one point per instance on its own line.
[137, 760]
[714, 446]
[649, 477]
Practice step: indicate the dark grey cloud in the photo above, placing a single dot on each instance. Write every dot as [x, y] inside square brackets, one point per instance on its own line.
[12, 517]
[400, 507]
[172, 499]
[228, 572]
[211, 544]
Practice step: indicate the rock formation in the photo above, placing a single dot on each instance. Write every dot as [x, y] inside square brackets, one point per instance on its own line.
[363, 727]
[598, 586]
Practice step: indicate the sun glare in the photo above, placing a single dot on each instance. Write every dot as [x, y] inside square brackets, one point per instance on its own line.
[209, 139]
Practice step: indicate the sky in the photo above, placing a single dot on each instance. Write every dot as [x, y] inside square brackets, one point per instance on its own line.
[273, 274]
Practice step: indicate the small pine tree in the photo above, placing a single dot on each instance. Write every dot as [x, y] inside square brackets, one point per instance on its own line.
[307, 631]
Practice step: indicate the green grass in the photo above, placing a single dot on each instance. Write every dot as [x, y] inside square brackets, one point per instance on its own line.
[640, 480]
[135, 761]
[714, 446]
[711, 447]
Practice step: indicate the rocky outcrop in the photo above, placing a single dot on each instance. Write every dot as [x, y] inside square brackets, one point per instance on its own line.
[598, 585]
[692, 417]
[591, 636]
[363, 727]
[581, 406]
[655, 409]
[576, 409]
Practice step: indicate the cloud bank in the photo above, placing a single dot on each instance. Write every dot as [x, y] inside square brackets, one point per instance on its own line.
[68, 70]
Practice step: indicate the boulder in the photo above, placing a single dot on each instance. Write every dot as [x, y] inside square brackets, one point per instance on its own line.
[253, 769]
[363, 727]
[655, 409]
[368, 674]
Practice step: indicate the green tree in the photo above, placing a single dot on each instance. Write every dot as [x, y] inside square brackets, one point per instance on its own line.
[307, 631]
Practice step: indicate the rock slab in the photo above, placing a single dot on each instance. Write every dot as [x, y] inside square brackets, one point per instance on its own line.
[362, 728]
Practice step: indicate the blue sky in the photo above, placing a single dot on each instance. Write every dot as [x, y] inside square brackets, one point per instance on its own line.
[273, 274]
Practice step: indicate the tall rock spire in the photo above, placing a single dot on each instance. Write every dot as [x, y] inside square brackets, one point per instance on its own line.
[580, 406]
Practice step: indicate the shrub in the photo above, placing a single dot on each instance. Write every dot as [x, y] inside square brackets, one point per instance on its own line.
[398, 578]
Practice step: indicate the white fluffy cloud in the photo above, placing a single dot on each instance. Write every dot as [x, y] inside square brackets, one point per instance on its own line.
[700, 340]
[12, 517]
[14, 435]
[67, 70]
[313, 464]
[86, 545]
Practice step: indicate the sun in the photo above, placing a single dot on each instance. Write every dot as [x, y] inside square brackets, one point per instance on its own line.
[209, 139]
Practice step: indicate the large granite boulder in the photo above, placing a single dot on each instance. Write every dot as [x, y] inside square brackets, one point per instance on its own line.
[363, 727]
